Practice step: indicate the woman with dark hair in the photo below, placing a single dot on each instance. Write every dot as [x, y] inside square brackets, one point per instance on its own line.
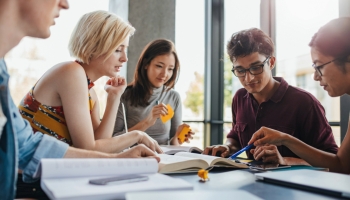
[330, 52]
[146, 97]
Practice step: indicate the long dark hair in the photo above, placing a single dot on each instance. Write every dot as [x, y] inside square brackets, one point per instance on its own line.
[140, 90]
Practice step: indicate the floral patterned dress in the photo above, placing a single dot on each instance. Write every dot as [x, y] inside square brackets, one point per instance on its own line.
[48, 119]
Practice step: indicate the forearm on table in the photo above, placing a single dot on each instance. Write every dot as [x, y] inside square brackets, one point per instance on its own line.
[112, 145]
[105, 129]
[311, 155]
[118, 143]
[294, 161]
[82, 153]
[233, 145]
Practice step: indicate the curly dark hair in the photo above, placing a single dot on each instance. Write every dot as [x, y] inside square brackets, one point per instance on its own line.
[249, 41]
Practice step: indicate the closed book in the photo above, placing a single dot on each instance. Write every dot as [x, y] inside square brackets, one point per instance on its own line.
[69, 178]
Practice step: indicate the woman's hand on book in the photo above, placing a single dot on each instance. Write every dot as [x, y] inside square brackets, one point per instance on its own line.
[138, 152]
[144, 138]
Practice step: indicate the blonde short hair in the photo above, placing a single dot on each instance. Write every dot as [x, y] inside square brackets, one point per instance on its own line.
[98, 33]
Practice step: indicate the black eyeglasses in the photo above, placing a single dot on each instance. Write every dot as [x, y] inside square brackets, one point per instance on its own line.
[318, 68]
[253, 70]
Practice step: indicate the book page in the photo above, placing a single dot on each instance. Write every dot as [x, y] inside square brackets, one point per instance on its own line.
[173, 163]
[195, 150]
[212, 160]
[169, 159]
[172, 149]
[81, 167]
[207, 158]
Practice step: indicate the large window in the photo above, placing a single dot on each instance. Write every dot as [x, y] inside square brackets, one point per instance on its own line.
[296, 22]
[28, 61]
[293, 57]
[189, 41]
[239, 15]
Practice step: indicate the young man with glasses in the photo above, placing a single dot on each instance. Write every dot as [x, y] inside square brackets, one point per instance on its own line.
[269, 101]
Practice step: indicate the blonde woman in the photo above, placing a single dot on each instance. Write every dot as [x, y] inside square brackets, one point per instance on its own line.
[63, 103]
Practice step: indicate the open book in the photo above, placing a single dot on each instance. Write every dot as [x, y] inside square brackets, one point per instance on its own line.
[172, 149]
[69, 178]
[184, 162]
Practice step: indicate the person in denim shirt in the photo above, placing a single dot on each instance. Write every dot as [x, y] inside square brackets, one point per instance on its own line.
[19, 147]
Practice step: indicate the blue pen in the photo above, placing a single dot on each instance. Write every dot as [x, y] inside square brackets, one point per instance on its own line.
[240, 151]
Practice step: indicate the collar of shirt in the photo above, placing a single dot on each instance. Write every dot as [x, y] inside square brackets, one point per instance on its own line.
[280, 92]
[3, 72]
[3, 81]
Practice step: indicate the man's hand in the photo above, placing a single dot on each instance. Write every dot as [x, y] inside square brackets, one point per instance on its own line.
[218, 150]
[268, 154]
[138, 152]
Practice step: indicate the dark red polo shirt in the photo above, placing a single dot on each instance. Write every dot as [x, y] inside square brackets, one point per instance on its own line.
[290, 110]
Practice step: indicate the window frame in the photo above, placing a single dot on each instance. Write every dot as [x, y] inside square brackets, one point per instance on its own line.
[214, 70]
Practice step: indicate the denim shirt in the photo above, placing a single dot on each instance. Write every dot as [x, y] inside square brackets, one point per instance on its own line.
[20, 148]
